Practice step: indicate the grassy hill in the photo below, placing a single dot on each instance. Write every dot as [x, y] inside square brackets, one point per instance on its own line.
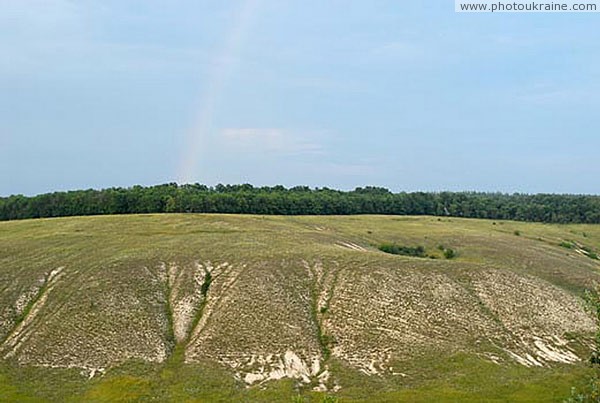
[228, 307]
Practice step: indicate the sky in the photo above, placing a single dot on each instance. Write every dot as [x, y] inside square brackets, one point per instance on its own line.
[407, 95]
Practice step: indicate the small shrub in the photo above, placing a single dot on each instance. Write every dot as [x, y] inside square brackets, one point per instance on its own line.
[589, 252]
[567, 245]
[517, 232]
[394, 249]
[206, 285]
[449, 253]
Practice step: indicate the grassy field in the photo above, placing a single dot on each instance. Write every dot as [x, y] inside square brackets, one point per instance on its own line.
[187, 307]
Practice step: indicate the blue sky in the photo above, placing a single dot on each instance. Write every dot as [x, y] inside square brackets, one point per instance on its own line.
[406, 95]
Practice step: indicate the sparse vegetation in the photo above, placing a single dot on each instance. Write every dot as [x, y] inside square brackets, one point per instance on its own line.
[288, 285]
[589, 252]
[592, 297]
[585, 250]
[591, 391]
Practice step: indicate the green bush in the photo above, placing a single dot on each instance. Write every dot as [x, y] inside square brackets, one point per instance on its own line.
[449, 253]
[206, 285]
[568, 245]
[589, 252]
[394, 249]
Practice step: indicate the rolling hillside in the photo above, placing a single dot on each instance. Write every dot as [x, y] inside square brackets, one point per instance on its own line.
[229, 307]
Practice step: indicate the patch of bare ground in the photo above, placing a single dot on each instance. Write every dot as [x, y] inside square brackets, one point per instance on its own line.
[285, 318]
[536, 315]
[28, 306]
[258, 322]
[324, 281]
[222, 277]
[92, 322]
[323, 285]
[380, 313]
[350, 245]
[185, 294]
[14, 311]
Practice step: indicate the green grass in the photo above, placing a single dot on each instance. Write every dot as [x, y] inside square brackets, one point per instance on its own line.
[461, 377]
[111, 260]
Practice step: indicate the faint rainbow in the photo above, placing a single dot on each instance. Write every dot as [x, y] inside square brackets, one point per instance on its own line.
[225, 62]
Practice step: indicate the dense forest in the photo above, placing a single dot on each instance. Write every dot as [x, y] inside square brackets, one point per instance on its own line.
[302, 200]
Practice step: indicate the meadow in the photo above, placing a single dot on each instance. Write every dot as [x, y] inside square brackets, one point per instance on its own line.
[218, 307]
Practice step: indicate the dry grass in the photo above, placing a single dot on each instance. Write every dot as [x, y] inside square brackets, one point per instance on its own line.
[308, 299]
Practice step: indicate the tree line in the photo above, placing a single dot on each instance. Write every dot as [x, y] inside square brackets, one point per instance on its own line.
[302, 200]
